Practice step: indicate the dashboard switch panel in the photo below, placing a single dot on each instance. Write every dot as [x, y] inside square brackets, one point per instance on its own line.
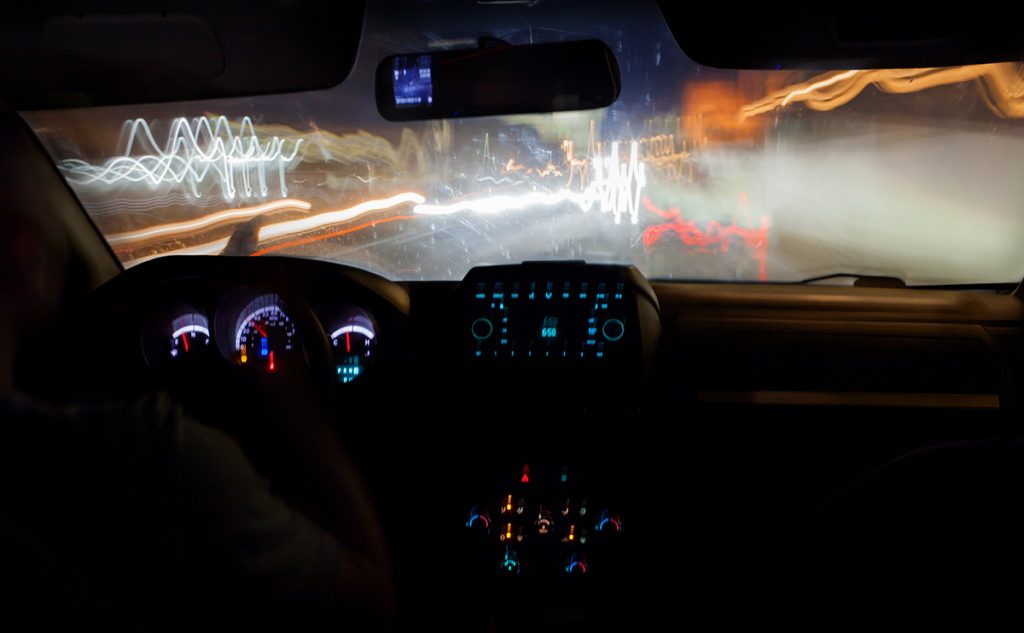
[561, 316]
[542, 530]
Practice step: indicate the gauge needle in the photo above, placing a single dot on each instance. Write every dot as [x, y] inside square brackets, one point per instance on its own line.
[348, 344]
[184, 339]
[259, 329]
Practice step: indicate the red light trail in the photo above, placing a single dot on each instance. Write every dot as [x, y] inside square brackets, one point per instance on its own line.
[714, 237]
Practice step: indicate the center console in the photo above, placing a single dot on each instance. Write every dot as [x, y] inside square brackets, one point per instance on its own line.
[554, 361]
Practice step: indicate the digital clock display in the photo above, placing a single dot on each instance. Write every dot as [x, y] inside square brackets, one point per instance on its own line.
[549, 327]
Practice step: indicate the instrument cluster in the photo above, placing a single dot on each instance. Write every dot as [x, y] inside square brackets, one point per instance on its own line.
[257, 329]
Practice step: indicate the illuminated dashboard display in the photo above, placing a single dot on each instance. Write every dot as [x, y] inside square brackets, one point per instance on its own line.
[570, 318]
[412, 81]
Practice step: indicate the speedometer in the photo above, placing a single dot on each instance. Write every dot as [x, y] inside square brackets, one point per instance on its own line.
[264, 335]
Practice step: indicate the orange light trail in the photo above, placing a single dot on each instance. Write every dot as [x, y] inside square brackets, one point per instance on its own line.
[1001, 87]
[327, 236]
[206, 221]
[548, 170]
[818, 85]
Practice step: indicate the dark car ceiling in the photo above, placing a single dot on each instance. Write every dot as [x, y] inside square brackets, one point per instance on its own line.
[845, 34]
[71, 54]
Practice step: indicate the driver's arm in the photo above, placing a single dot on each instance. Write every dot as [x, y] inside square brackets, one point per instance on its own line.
[191, 505]
[245, 535]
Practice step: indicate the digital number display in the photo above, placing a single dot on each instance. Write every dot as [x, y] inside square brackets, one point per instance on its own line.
[413, 83]
[549, 327]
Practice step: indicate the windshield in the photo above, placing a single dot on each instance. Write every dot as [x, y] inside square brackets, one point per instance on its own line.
[694, 173]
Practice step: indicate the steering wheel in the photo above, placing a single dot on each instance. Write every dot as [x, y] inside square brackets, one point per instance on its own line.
[283, 421]
[261, 411]
[278, 406]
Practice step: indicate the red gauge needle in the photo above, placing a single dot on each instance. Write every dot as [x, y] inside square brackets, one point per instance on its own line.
[259, 329]
[271, 361]
[184, 339]
[348, 343]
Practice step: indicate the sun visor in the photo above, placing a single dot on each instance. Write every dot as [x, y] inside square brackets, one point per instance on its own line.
[845, 35]
[97, 56]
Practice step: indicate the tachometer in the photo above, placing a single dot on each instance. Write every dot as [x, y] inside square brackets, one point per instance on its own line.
[264, 335]
[353, 343]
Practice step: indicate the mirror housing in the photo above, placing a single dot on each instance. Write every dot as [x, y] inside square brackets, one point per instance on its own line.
[497, 79]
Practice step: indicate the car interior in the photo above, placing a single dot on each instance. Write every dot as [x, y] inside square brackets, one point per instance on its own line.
[473, 232]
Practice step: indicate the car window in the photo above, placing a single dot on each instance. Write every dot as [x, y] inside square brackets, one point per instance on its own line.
[694, 173]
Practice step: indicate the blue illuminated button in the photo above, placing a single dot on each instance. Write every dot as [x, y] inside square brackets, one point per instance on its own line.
[482, 329]
[608, 522]
[613, 329]
[510, 562]
[478, 519]
[576, 565]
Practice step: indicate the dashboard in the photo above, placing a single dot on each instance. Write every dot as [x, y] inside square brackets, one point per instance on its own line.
[483, 385]
[563, 435]
[561, 323]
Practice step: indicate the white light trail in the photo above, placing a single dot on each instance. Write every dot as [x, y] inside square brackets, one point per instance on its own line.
[498, 204]
[206, 221]
[615, 187]
[320, 220]
[197, 151]
[819, 85]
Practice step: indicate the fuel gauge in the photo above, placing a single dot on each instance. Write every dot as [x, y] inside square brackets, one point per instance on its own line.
[190, 336]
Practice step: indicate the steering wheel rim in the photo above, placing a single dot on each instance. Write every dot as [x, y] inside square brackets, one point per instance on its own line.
[317, 348]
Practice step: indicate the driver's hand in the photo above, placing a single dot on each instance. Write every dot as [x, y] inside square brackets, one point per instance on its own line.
[284, 422]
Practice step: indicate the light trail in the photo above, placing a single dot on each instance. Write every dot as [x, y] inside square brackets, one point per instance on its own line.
[818, 85]
[547, 170]
[197, 151]
[125, 241]
[714, 236]
[580, 166]
[1001, 87]
[321, 220]
[205, 222]
[659, 152]
[208, 248]
[499, 204]
[326, 236]
[615, 187]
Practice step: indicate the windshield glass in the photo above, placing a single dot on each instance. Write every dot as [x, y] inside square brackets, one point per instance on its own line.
[694, 173]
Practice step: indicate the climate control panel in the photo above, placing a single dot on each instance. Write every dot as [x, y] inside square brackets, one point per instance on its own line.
[542, 526]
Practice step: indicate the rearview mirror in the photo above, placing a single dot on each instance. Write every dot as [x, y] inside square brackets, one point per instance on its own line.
[497, 79]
